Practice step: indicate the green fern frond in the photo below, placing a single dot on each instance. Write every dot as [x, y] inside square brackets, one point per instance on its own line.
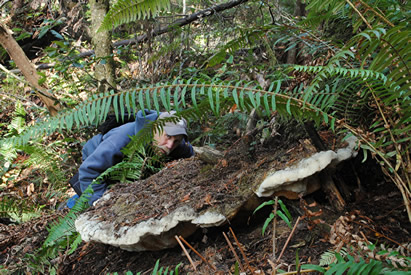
[74, 244]
[15, 208]
[126, 11]
[328, 256]
[386, 51]
[369, 12]
[331, 71]
[218, 96]
[64, 228]
[247, 37]
[18, 120]
[138, 162]
[327, 5]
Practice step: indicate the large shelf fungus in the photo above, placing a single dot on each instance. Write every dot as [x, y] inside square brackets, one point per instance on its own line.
[296, 178]
[203, 192]
[151, 234]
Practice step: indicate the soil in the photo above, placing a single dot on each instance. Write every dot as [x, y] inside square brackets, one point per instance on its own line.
[374, 213]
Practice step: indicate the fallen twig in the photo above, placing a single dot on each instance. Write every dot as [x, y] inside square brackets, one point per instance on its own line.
[235, 254]
[288, 240]
[185, 252]
[199, 255]
[384, 236]
[275, 226]
[241, 250]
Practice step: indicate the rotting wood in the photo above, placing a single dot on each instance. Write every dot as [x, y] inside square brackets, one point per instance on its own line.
[208, 154]
[314, 137]
[214, 196]
[334, 196]
[327, 183]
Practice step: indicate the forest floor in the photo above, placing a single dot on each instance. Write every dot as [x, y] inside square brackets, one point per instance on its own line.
[373, 214]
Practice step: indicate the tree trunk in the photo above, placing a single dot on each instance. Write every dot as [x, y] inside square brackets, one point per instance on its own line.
[101, 40]
[299, 10]
[17, 5]
[27, 68]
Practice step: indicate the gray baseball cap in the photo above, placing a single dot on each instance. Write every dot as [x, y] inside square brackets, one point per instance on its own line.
[174, 129]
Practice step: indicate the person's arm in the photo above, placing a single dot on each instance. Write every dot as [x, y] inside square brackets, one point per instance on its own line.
[104, 156]
[184, 150]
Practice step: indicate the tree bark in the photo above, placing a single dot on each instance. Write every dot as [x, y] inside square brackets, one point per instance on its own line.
[17, 5]
[101, 40]
[299, 10]
[27, 68]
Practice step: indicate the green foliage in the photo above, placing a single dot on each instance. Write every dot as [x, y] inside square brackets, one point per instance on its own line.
[164, 271]
[284, 214]
[64, 228]
[17, 125]
[18, 210]
[47, 26]
[126, 11]
[139, 162]
[377, 60]
[157, 270]
[370, 12]
[62, 237]
[345, 263]
[246, 38]
[329, 256]
[217, 96]
[215, 131]
[18, 121]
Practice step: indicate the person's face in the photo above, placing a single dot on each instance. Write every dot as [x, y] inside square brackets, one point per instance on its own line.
[166, 143]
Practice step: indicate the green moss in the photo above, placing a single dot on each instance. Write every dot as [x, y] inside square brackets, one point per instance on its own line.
[206, 169]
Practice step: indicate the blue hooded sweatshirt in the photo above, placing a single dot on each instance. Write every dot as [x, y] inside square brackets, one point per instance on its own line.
[103, 151]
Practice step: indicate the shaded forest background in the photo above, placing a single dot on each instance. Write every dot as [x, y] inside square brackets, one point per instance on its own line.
[335, 65]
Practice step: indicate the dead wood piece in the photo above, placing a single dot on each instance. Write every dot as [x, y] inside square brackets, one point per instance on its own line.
[198, 254]
[186, 253]
[328, 184]
[27, 68]
[288, 240]
[252, 122]
[314, 136]
[333, 194]
[242, 251]
[234, 253]
[208, 154]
